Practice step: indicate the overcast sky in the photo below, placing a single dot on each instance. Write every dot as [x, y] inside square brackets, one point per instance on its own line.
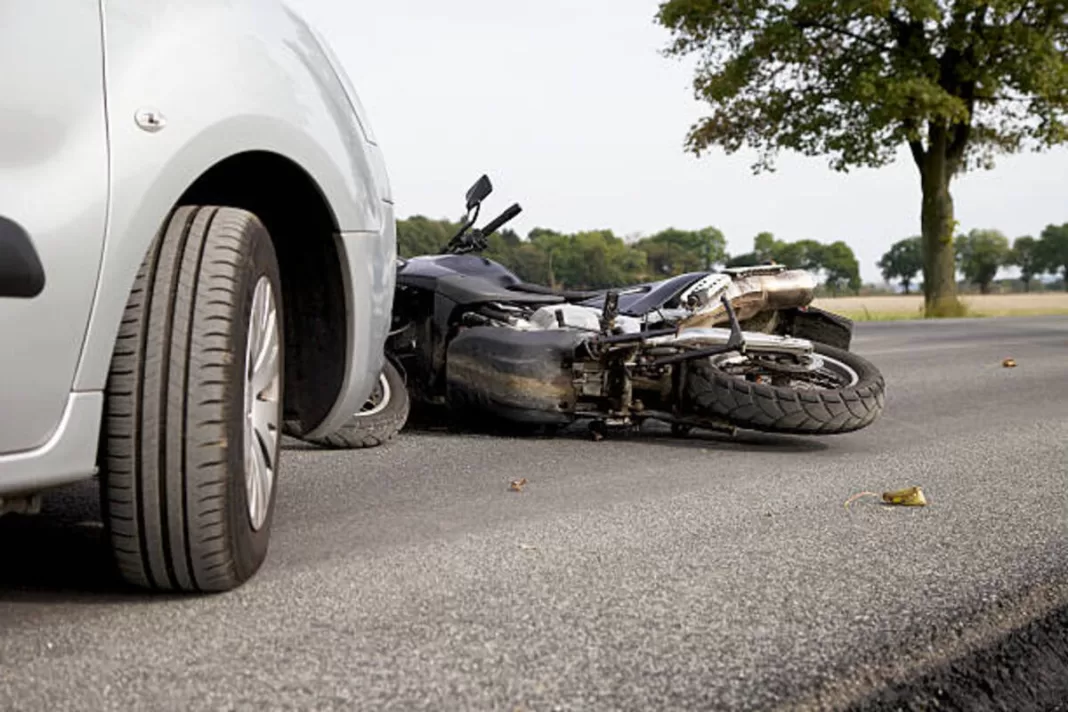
[572, 110]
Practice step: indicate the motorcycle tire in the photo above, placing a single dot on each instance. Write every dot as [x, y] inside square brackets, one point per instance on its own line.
[710, 391]
[382, 417]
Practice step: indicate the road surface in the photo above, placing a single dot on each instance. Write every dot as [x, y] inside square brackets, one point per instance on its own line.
[639, 573]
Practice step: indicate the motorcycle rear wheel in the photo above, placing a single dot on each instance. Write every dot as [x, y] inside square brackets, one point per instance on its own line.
[846, 394]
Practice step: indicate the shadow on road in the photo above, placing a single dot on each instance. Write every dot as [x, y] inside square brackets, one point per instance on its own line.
[60, 554]
[651, 434]
[1026, 669]
[743, 441]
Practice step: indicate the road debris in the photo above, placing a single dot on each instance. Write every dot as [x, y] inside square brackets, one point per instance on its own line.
[1009, 363]
[518, 485]
[908, 497]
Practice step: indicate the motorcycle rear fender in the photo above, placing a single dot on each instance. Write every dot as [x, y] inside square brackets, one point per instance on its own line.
[815, 324]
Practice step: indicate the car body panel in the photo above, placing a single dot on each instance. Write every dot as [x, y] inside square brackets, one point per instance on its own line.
[222, 78]
[68, 456]
[369, 285]
[54, 187]
[277, 92]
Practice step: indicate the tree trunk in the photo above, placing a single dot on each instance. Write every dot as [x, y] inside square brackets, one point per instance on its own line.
[936, 217]
[1027, 285]
[905, 283]
[984, 287]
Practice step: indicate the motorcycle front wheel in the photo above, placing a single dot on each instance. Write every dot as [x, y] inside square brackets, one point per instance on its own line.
[382, 416]
[831, 392]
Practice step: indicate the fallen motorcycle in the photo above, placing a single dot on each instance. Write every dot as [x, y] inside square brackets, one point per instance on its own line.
[719, 350]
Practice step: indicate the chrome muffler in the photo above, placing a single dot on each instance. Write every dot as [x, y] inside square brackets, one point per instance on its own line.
[750, 292]
[707, 337]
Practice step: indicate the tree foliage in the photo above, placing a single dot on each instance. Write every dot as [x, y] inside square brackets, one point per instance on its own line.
[678, 251]
[583, 260]
[598, 258]
[1053, 250]
[836, 262]
[903, 261]
[956, 81]
[1026, 256]
[981, 253]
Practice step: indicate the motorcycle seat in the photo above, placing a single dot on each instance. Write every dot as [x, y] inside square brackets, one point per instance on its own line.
[566, 294]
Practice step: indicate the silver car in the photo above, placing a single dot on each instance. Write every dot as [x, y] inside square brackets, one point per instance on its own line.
[196, 245]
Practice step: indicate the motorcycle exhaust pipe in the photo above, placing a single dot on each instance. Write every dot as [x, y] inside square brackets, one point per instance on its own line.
[749, 295]
[702, 338]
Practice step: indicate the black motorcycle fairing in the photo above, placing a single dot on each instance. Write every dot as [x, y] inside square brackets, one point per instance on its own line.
[441, 286]
[430, 267]
[644, 299]
[465, 290]
[468, 279]
[567, 294]
[471, 279]
[523, 376]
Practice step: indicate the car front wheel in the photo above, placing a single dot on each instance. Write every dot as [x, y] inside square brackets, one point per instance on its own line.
[191, 438]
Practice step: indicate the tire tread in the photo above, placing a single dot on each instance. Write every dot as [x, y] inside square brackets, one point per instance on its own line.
[166, 461]
[713, 393]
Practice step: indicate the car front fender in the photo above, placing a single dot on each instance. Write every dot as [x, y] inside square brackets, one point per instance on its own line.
[193, 82]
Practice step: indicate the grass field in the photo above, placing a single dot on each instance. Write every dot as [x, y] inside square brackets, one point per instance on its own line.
[900, 307]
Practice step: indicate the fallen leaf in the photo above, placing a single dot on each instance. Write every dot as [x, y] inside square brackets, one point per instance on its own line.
[1009, 363]
[517, 485]
[910, 497]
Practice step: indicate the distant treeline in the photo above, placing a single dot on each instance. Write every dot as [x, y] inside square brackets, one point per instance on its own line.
[598, 258]
[981, 253]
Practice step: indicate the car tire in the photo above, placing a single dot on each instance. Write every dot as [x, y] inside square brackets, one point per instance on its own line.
[382, 417]
[193, 406]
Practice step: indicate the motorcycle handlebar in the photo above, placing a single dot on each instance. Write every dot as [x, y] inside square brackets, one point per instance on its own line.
[501, 219]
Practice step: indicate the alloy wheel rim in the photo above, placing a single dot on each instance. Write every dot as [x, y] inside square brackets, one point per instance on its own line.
[262, 385]
[379, 398]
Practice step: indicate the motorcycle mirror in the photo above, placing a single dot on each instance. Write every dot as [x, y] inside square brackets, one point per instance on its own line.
[479, 191]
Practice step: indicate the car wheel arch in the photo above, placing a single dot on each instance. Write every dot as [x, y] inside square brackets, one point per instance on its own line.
[304, 230]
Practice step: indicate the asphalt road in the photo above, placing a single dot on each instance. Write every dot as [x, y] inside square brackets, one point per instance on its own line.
[638, 573]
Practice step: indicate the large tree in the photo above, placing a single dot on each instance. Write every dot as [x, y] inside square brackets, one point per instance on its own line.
[903, 261]
[956, 81]
[982, 253]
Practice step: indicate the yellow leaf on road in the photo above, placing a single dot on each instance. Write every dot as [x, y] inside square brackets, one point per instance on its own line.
[911, 497]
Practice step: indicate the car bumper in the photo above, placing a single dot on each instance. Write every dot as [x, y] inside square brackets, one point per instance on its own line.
[68, 456]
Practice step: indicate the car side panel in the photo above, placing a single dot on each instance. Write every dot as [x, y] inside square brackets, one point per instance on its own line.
[369, 284]
[258, 65]
[53, 198]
